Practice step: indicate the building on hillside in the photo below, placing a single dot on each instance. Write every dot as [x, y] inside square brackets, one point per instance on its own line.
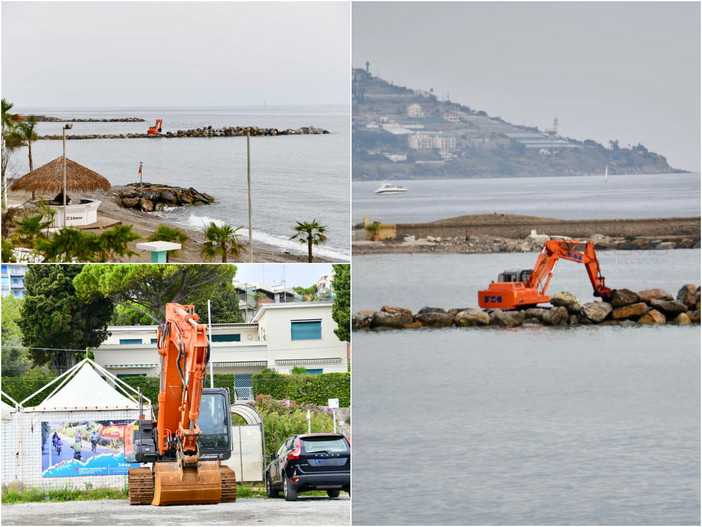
[452, 117]
[251, 296]
[432, 141]
[415, 110]
[324, 286]
[280, 336]
[12, 279]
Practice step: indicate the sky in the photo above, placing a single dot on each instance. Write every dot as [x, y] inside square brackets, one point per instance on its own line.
[607, 70]
[106, 54]
[270, 274]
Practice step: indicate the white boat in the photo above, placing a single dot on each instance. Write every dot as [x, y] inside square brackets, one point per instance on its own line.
[387, 188]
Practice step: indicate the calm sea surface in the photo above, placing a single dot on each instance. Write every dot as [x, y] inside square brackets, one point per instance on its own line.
[293, 177]
[577, 197]
[529, 426]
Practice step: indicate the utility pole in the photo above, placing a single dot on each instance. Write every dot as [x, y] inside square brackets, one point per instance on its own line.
[248, 177]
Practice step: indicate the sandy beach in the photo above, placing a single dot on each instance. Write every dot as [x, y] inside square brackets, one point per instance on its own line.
[145, 224]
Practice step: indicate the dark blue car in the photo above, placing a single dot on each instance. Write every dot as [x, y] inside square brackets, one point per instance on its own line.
[310, 462]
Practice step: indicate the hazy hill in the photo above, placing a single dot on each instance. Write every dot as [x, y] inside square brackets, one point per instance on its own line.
[400, 133]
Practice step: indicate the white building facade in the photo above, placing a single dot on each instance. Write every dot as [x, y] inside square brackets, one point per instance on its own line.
[280, 337]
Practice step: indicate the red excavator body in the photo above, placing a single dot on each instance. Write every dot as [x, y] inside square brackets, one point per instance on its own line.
[526, 288]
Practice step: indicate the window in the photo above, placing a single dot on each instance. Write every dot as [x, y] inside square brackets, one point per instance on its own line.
[227, 338]
[121, 375]
[315, 371]
[154, 341]
[306, 330]
[130, 341]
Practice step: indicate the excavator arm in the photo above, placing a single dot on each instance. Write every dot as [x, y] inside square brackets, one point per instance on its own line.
[181, 475]
[518, 291]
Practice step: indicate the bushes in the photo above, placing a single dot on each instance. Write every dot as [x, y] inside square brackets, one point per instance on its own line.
[282, 419]
[20, 388]
[317, 389]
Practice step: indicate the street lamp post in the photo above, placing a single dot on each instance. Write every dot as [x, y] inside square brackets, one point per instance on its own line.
[65, 127]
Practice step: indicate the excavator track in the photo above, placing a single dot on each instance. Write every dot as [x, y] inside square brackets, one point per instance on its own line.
[228, 484]
[141, 486]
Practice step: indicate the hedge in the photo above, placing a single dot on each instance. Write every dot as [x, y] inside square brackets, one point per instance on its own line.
[19, 388]
[317, 389]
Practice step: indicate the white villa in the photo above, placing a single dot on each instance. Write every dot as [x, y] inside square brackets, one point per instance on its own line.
[281, 336]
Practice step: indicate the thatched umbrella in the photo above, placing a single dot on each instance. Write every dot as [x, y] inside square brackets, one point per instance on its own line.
[49, 178]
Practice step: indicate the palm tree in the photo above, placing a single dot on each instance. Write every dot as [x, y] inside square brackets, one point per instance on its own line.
[311, 234]
[221, 241]
[30, 228]
[28, 134]
[164, 233]
[10, 137]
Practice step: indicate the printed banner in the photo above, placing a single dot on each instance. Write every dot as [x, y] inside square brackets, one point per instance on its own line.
[83, 448]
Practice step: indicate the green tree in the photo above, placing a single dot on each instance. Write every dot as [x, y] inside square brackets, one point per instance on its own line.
[307, 293]
[69, 244]
[224, 304]
[10, 137]
[147, 288]
[341, 310]
[311, 234]
[7, 254]
[30, 228]
[54, 318]
[14, 355]
[164, 233]
[221, 241]
[27, 134]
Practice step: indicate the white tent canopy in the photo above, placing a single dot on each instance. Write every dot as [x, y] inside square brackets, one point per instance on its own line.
[86, 391]
[7, 410]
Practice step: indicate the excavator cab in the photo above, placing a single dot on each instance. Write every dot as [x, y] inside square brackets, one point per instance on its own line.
[215, 421]
[515, 275]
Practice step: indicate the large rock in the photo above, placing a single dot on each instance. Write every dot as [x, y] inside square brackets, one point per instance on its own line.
[624, 297]
[652, 317]
[557, 316]
[436, 318]
[567, 300]
[362, 320]
[16, 485]
[671, 308]
[472, 317]
[694, 316]
[169, 197]
[654, 294]
[382, 319]
[596, 311]
[506, 319]
[535, 313]
[395, 310]
[682, 319]
[688, 295]
[630, 311]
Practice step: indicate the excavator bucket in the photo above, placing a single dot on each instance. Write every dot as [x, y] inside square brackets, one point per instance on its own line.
[205, 482]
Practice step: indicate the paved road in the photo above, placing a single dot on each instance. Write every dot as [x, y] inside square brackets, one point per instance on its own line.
[311, 510]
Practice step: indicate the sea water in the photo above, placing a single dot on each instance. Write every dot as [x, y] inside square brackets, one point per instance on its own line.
[568, 198]
[294, 178]
[587, 425]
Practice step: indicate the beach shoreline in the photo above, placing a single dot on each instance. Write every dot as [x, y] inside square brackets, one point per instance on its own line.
[145, 224]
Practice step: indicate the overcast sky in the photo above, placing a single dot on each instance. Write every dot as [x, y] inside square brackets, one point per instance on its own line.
[606, 70]
[270, 274]
[87, 54]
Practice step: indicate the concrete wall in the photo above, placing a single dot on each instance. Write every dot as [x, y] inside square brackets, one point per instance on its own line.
[576, 228]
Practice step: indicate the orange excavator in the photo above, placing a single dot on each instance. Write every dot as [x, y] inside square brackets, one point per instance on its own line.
[192, 432]
[526, 288]
[155, 129]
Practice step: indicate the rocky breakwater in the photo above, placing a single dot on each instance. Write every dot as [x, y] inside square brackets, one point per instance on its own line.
[626, 307]
[150, 197]
[232, 131]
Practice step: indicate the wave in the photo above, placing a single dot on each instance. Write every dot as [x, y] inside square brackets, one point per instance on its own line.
[275, 240]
